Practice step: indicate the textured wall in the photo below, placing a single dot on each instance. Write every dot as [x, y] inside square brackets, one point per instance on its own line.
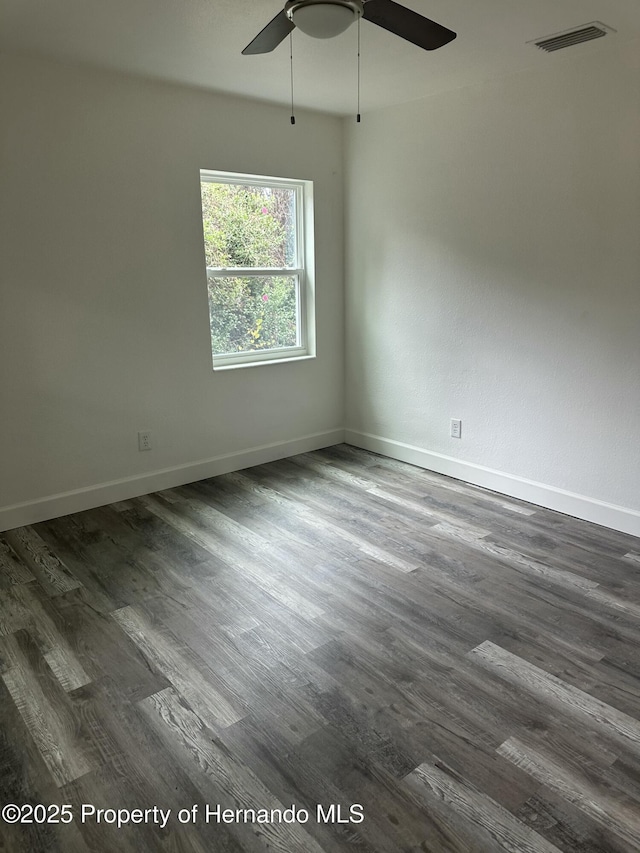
[103, 317]
[493, 269]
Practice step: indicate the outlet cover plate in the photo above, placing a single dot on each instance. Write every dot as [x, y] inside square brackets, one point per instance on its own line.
[144, 440]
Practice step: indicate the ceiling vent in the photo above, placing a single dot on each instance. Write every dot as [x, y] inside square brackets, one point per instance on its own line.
[587, 32]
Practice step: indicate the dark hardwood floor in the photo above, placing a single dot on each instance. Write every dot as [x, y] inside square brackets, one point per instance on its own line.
[336, 630]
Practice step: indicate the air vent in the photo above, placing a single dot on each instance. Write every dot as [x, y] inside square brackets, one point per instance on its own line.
[558, 41]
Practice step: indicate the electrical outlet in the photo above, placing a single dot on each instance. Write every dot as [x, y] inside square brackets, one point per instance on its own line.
[456, 428]
[144, 440]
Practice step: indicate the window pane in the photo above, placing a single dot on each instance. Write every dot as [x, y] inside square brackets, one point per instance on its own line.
[253, 313]
[248, 226]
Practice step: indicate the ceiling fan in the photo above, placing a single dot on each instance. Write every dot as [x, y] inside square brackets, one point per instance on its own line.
[329, 18]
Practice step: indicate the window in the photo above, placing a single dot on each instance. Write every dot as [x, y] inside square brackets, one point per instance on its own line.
[258, 243]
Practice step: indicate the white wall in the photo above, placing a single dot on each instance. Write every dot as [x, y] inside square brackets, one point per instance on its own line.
[493, 269]
[103, 308]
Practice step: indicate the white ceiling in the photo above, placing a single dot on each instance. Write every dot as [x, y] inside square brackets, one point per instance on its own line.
[199, 42]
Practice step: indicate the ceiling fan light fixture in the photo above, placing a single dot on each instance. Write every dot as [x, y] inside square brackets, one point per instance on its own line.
[321, 19]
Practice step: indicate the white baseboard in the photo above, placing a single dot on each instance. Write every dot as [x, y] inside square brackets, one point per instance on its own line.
[54, 506]
[550, 497]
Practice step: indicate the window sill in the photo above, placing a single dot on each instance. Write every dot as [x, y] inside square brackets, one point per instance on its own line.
[294, 358]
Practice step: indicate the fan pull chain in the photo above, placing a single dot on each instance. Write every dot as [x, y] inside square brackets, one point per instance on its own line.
[293, 118]
[358, 112]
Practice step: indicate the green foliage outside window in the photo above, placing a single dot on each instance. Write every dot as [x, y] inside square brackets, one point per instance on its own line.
[250, 227]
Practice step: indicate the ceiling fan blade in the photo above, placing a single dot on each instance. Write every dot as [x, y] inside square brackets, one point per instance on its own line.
[407, 24]
[270, 37]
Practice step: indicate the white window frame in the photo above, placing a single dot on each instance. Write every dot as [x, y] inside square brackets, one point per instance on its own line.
[303, 271]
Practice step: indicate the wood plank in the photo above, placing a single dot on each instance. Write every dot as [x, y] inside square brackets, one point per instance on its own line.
[46, 714]
[328, 526]
[50, 571]
[202, 689]
[52, 643]
[531, 678]
[270, 582]
[441, 785]
[12, 569]
[232, 783]
[617, 813]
